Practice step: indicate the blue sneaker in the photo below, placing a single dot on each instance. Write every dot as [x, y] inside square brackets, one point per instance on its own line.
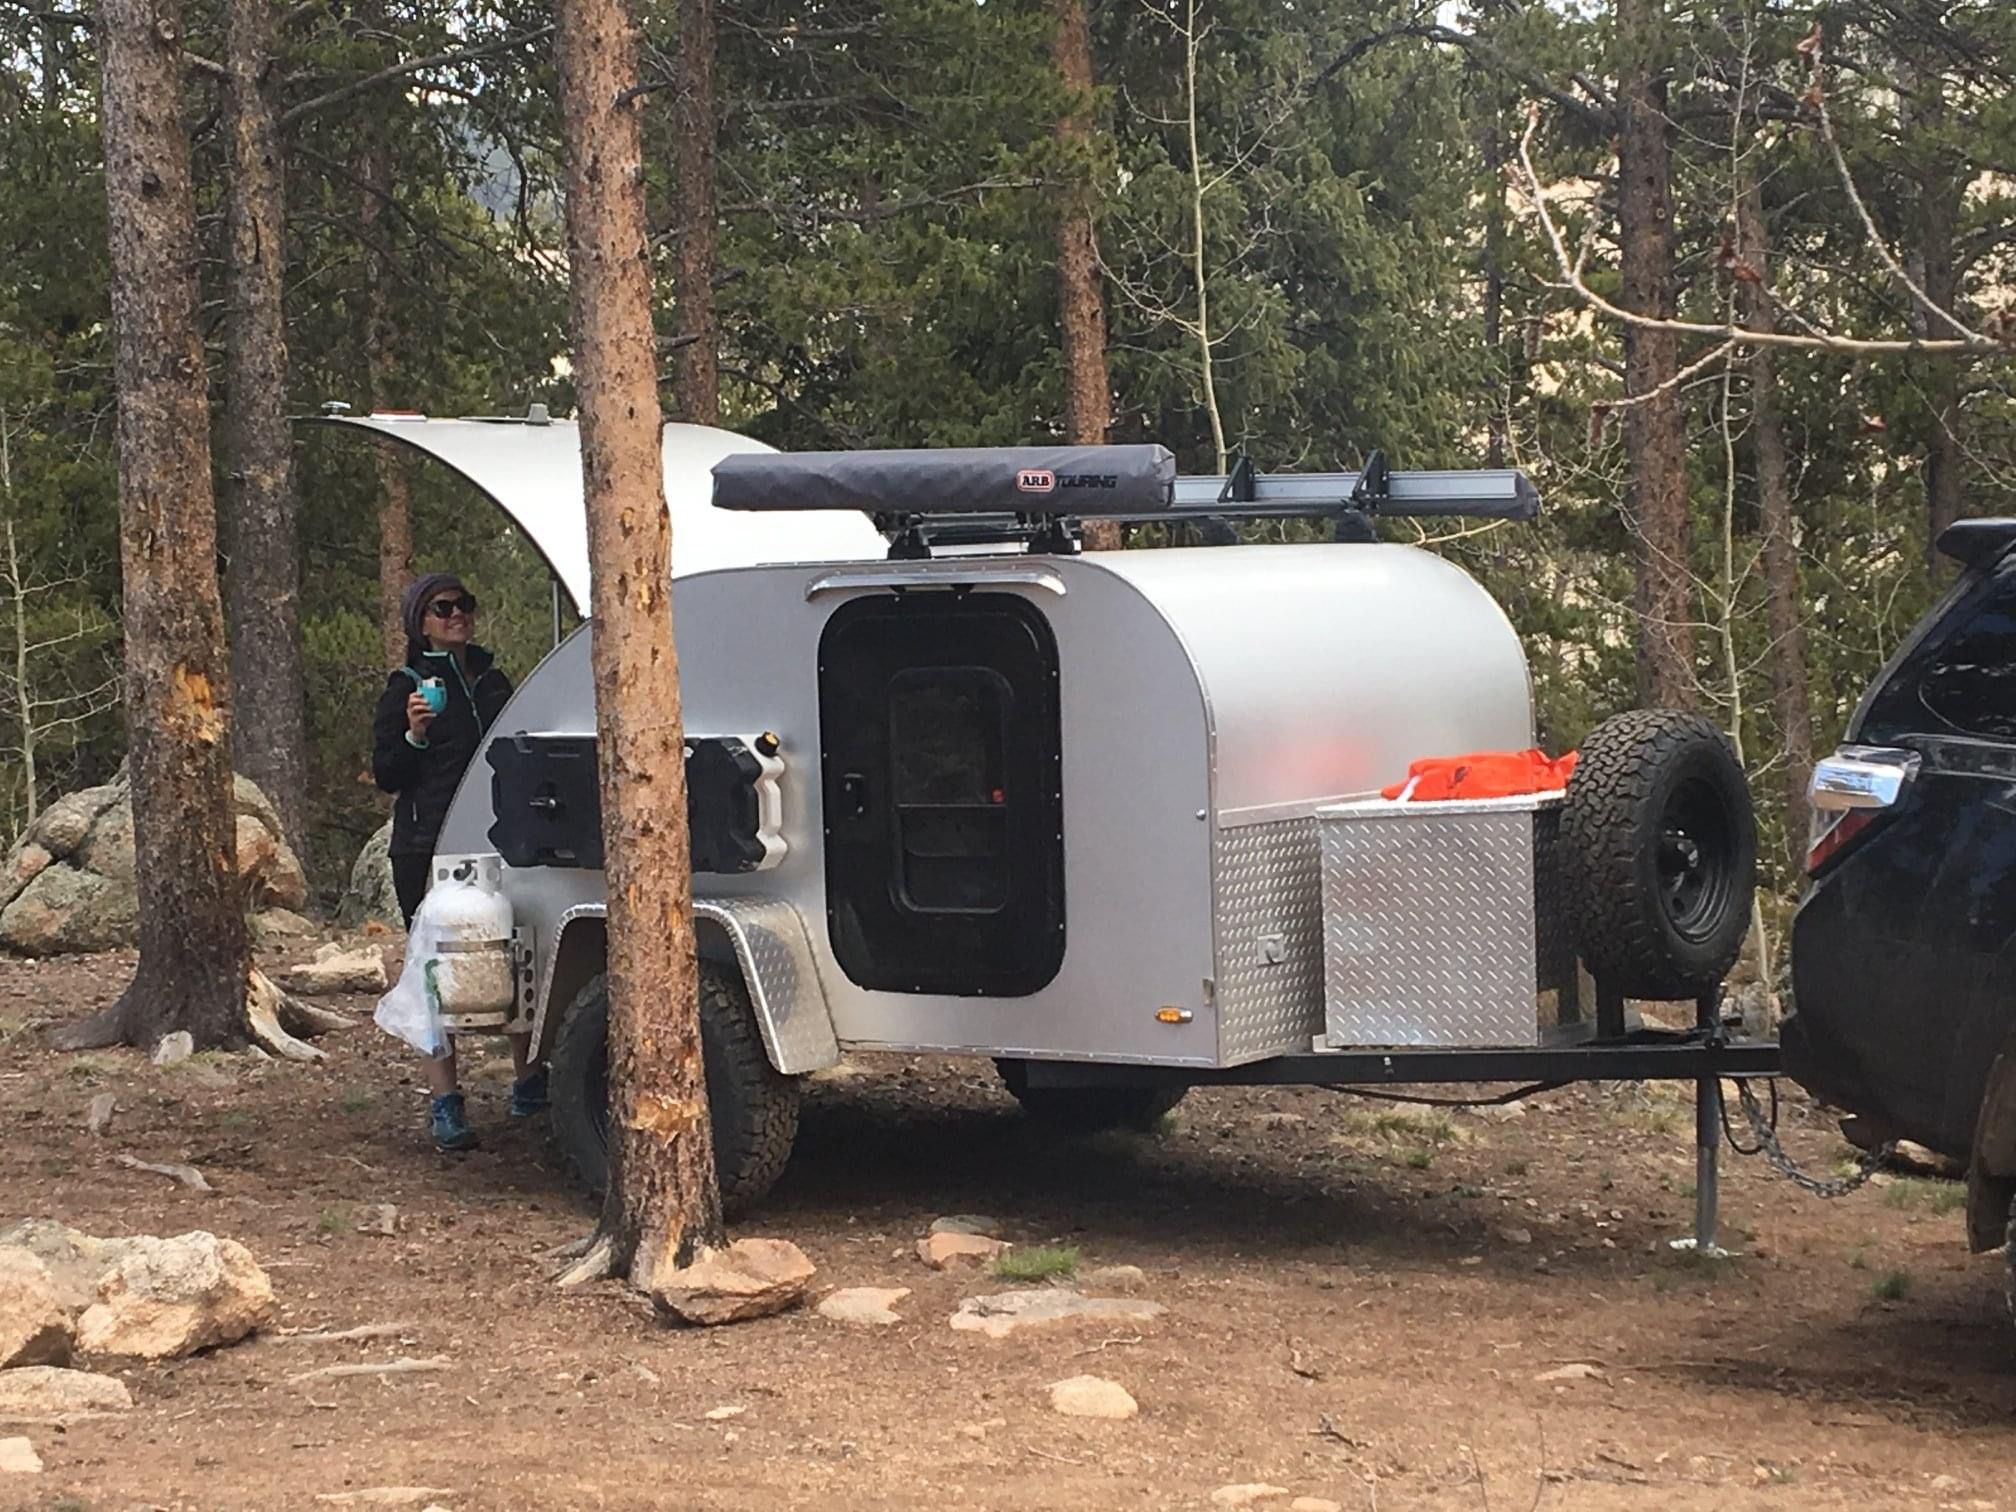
[528, 1094]
[451, 1125]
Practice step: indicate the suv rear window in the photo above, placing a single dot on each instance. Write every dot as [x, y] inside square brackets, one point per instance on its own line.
[1971, 682]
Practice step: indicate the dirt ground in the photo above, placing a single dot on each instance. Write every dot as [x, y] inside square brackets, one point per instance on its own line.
[1359, 1301]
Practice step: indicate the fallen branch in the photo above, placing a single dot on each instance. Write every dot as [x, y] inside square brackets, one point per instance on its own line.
[400, 1366]
[265, 1003]
[188, 1175]
[362, 1331]
[598, 1264]
[310, 1019]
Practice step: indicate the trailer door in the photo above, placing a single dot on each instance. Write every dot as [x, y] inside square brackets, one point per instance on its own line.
[942, 764]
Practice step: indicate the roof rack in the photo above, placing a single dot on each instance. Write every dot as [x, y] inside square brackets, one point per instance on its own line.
[1039, 496]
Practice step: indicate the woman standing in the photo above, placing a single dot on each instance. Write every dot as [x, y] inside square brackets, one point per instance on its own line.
[431, 718]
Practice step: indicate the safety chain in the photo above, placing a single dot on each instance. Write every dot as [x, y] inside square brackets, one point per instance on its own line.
[1766, 1131]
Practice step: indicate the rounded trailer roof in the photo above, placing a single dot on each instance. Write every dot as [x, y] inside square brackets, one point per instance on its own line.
[532, 471]
[1326, 669]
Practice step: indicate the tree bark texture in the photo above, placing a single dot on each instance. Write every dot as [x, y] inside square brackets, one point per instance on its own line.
[261, 522]
[663, 1202]
[1088, 393]
[1790, 694]
[1655, 431]
[696, 381]
[193, 949]
[376, 336]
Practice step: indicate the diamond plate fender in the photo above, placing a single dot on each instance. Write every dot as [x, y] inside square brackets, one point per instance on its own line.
[775, 953]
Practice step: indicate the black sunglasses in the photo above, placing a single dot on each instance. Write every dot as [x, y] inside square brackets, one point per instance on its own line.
[442, 608]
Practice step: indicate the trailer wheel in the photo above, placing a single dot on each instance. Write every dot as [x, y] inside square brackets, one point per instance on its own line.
[1087, 1110]
[1660, 854]
[753, 1107]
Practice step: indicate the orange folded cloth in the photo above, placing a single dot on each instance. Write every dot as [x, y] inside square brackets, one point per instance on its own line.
[1486, 774]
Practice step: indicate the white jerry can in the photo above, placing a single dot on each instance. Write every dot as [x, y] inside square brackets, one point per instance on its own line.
[471, 972]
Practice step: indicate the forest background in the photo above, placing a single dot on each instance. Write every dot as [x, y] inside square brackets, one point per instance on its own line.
[1307, 231]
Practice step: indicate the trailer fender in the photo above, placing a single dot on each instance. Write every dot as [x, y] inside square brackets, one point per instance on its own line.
[764, 938]
[771, 944]
[580, 953]
[1991, 1173]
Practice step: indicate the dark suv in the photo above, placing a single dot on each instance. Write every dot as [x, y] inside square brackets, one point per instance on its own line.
[1904, 950]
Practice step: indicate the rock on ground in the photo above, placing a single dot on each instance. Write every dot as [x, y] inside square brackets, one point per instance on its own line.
[1114, 1278]
[967, 1223]
[1003, 1313]
[18, 1457]
[1247, 1494]
[164, 1298]
[175, 1047]
[870, 1306]
[47, 1391]
[370, 894]
[73, 1260]
[34, 1328]
[1314, 1504]
[1090, 1396]
[68, 885]
[941, 1251]
[335, 969]
[751, 1278]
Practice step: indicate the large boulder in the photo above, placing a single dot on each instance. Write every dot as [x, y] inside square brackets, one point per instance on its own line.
[72, 1260]
[46, 1391]
[34, 1328]
[163, 1298]
[68, 885]
[371, 894]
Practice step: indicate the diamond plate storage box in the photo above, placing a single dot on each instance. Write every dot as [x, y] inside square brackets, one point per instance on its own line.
[1441, 923]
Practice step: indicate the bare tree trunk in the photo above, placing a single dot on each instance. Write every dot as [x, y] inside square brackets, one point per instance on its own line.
[1494, 292]
[193, 951]
[696, 380]
[1790, 692]
[395, 493]
[663, 1203]
[1655, 435]
[17, 595]
[262, 537]
[1206, 366]
[1088, 392]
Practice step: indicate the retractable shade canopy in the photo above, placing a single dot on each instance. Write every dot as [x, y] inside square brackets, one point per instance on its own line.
[532, 471]
[1083, 481]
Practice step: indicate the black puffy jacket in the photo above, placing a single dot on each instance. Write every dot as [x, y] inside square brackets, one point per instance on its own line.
[423, 779]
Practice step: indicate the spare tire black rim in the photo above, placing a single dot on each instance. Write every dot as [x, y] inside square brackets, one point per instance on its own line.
[1696, 860]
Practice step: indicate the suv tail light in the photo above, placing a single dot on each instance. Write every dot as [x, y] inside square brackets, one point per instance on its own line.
[1851, 790]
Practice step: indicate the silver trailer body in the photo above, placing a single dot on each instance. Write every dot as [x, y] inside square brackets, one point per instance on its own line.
[1208, 703]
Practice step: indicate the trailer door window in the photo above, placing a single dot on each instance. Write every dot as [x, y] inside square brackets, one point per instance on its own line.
[948, 729]
[942, 789]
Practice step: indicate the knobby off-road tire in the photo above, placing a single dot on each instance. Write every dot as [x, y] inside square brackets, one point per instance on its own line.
[1660, 854]
[753, 1108]
[1087, 1110]
[2009, 1264]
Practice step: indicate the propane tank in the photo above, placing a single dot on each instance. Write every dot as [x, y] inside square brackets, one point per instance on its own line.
[471, 972]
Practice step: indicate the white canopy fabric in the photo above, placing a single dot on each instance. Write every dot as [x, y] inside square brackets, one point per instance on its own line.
[532, 471]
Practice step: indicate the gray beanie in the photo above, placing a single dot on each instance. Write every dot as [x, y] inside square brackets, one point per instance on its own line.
[413, 603]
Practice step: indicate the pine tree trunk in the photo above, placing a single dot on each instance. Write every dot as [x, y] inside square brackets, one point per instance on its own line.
[662, 1202]
[1790, 693]
[1655, 431]
[1495, 434]
[1938, 222]
[262, 539]
[1088, 393]
[375, 336]
[193, 950]
[696, 380]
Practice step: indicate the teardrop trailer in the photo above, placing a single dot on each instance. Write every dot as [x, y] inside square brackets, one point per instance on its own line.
[1111, 818]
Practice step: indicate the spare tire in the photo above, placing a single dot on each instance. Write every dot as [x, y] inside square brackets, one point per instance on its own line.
[1659, 854]
[753, 1107]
